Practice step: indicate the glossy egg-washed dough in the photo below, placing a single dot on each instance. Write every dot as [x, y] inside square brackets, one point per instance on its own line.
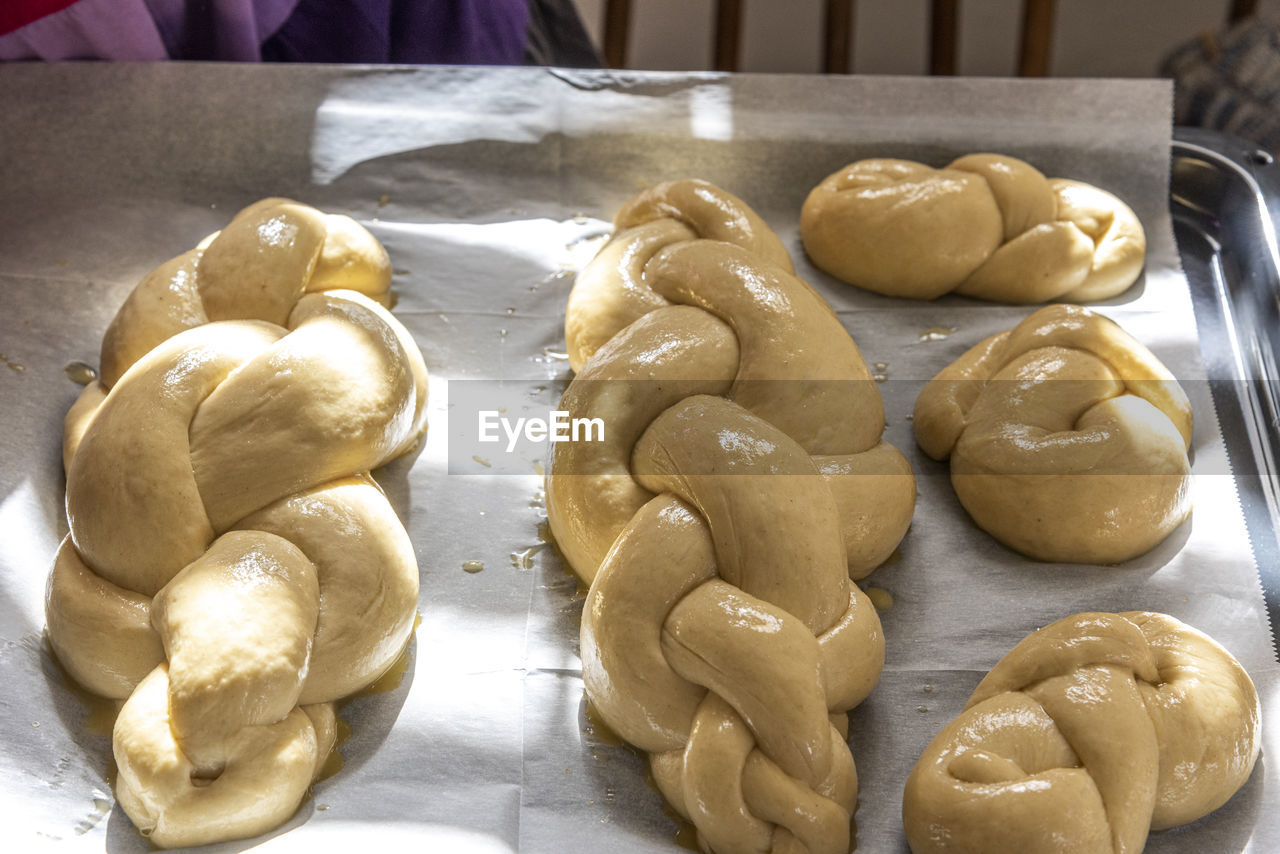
[232, 569]
[741, 485]
[1067, 438]
[1090, 733]
[987, 226]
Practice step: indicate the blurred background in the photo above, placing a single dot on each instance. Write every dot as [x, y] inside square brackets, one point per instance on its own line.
[1223, 54]
[1087, 38]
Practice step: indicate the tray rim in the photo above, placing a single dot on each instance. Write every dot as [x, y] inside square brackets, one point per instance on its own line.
[1246, 400]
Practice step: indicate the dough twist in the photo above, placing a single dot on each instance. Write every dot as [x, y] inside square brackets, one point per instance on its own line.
[231, 567]
[986, 226]
[1088, 734]
[741, 482]
[1068, 439]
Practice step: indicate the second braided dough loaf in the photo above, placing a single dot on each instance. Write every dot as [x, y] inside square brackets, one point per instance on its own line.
[741, 483]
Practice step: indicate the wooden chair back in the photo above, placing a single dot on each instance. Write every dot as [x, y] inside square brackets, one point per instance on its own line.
[1034, 46]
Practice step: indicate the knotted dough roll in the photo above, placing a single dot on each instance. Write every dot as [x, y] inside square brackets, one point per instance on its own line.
[1091, 732]
[740, 484]
[987, 226]
[1068, 439]
[231, 567]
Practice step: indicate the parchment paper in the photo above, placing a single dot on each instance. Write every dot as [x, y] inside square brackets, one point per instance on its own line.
[489, 187]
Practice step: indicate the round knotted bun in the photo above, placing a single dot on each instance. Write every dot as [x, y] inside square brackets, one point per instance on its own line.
[987, 226]
[740, 482]
[1068, 439]
[231, 567]
[1088, 734]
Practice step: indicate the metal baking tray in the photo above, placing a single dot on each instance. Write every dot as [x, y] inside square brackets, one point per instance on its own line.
[485, 745]
[1224, 197]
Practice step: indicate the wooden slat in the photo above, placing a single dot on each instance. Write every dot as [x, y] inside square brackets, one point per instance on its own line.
[943, 27]
[728, 34]
[1241, 9]
[837, 50]
[617, 24]
[1037, 38]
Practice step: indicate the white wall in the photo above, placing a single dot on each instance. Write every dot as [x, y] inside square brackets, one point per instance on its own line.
[1092, 38]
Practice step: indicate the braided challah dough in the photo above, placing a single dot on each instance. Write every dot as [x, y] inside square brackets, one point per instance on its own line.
[232, 569]
[740, 484]
[986, 225]
[1068, 439]
[1091, 732]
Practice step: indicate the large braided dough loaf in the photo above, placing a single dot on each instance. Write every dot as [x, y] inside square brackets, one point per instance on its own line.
[1068, 439]
[1091, 732]
[987, 226]
[741, 483]
[232, 568]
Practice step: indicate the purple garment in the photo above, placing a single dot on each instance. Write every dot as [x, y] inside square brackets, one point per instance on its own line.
[218, 29]
[490, 32]
[144, 30]
[462, 32]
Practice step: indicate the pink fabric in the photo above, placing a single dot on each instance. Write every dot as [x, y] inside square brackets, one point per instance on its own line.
[89, 29]
[145, 30]
[19, 13]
